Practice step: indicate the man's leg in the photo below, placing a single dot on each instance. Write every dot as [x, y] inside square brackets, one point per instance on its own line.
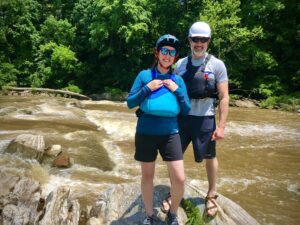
[211, 170]
[177, 177]
[148, 170]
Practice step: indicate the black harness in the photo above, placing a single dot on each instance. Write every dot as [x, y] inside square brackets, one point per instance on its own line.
[198, 82]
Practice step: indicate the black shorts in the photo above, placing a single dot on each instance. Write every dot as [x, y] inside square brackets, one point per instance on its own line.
[146, 147]
[198, 130]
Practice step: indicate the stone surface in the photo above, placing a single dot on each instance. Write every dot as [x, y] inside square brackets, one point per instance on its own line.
[53, 150]
[19, 200]
[122, 205]
[245, 104]
[28, 145]
[62, 160]
[60, 209]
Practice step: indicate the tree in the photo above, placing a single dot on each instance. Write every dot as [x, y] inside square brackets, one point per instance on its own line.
[18, 36]
[118, 33]
[231, 40]
[57, 66]
[59, 31]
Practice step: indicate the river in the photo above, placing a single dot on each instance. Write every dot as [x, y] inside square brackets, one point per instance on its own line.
[259, 159]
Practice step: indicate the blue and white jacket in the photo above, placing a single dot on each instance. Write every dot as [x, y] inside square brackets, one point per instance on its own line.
[156, 125]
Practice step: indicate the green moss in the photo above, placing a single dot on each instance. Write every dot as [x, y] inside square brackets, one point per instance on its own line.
[192, 212]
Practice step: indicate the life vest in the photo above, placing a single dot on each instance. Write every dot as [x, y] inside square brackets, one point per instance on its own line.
[161, 102]
[199, 82]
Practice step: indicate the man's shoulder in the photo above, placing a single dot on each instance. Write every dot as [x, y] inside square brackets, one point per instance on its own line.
[216, 60]
[181, 63]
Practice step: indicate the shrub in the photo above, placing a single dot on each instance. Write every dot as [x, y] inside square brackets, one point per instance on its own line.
[192, 212]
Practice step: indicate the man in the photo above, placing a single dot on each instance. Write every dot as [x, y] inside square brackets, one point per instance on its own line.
[206, 80]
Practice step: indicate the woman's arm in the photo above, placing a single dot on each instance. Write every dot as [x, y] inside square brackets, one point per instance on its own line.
[138, 92]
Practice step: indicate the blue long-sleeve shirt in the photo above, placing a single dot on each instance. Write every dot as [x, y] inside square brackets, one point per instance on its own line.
[156, 125]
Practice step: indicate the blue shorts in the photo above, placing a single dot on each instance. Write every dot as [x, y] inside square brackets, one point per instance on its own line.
[198, 130]
[147, 146]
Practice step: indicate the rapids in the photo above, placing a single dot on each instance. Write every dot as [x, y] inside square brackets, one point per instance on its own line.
[259, 159]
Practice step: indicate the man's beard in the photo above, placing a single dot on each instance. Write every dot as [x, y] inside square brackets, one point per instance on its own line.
[198, 54]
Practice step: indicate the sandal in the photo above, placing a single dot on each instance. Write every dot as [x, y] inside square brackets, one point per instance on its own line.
[166, 202]
[212, 200]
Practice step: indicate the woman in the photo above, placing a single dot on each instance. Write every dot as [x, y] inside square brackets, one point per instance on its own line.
[161, 96]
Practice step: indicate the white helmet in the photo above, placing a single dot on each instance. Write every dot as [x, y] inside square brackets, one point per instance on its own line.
[200, 29]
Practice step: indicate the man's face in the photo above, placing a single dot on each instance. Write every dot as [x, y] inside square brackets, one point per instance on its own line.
[199, 45]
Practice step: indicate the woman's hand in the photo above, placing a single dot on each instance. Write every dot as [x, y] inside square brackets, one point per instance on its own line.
[155, 84]
[170, 84]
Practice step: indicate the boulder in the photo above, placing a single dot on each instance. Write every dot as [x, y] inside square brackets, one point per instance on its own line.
[53, 150]
[60, 208]
[28, 145]
[62, 160]
[19, 200]
[245, 104]
[122, 205]
[229, 213]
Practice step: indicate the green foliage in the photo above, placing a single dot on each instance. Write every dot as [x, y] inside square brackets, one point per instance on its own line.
[57, 65]
[286, 102]
[269, 86]
[228, 33]
[104, 43]
[8, 75]
[58, 31]
[114, 92]
[73, 88]
[192, 212]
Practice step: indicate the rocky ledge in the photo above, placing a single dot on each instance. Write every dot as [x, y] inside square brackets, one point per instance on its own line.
[21, 202]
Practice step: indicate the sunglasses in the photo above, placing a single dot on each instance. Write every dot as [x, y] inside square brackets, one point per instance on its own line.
[200, 39]
[165, 51]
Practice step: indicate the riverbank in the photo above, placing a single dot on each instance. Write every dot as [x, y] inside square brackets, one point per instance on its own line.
[284, 103]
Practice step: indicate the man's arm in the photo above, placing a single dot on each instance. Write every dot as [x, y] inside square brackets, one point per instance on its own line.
[223, 110]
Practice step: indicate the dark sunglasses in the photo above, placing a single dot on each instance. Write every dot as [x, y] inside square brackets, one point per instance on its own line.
[200, 39]
[165, 51]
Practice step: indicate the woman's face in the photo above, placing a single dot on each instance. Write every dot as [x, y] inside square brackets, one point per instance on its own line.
[166, 56]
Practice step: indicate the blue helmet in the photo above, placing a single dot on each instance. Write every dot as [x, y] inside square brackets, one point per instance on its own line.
[168, 40]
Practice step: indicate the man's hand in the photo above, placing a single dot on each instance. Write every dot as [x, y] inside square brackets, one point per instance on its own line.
[218, 134]
[171, 85]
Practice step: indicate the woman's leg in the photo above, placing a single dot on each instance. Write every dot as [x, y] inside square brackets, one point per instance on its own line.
[177, 178]
[148, 169]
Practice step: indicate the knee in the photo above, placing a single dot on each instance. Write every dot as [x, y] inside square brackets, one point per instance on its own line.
[147, 176]
[179, 181]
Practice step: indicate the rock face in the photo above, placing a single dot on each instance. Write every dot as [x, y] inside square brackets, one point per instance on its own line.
[20, 204]
[19, 200]
[28, 145]
[122, 205]
[229, 213]
[60, 209]
[62, 160]
[244, 104]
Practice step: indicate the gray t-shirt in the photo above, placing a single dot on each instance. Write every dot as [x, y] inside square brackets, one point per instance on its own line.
[205, 106]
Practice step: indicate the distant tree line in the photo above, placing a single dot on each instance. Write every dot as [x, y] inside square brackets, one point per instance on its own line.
[89, 46]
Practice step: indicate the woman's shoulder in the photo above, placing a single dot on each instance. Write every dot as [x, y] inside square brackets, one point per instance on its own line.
[178, 79]
[144, 74]
[145, 71]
